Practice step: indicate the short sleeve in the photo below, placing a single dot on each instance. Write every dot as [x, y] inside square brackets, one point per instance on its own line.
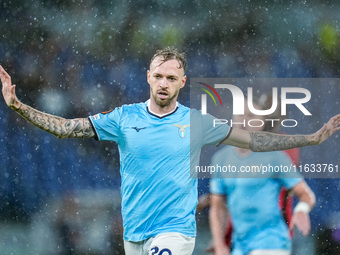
[211, 130]
[290, 183]
[106, 125]
[217, 183]
[217, 187]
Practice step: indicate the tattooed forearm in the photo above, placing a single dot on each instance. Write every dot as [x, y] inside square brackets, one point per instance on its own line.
[263, 141]
[60, 127]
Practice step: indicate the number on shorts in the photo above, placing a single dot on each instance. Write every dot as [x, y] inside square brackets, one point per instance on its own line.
[155, 251]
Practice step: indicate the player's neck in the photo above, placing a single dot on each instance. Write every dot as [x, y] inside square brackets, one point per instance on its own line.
[161, 111]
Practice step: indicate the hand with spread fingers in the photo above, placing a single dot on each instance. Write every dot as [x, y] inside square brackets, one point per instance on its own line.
[326, 131]
[8, 90]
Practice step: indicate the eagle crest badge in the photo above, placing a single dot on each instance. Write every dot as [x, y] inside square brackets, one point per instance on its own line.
[181, 130]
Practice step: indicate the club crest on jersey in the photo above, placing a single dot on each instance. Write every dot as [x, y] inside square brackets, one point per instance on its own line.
[181, 131]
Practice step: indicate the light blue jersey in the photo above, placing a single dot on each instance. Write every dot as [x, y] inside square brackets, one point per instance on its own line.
[158, 195]
[253, 202]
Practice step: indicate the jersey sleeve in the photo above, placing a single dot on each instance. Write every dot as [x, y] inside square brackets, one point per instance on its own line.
[216, 182]
[106, 125]
[217, 187]
[211, 131]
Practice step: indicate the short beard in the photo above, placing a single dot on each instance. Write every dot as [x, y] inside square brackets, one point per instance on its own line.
[166, 102]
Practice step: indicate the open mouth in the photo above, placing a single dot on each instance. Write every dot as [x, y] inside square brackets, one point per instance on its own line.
[163, 94]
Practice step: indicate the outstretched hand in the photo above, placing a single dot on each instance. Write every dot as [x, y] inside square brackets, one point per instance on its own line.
[326, 131]
[8, 90]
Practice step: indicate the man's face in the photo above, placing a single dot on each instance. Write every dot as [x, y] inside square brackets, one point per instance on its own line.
[165, 80]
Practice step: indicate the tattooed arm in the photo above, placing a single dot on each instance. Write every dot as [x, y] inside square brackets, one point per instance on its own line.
[60, 127]
[265, 141]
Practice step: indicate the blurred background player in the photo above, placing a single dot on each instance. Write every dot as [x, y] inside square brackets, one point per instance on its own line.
[285, 197]
[258, 225]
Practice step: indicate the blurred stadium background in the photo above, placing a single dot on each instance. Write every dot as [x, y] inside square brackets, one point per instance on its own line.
[76, 58]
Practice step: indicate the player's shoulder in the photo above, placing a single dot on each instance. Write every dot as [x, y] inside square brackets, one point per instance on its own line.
[132, 108]
[194, 112]
[134, 105]
[122, 112]
[183, 108]
[199, 116]
[196, 116]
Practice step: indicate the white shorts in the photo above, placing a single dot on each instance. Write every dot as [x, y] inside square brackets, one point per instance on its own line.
[269, 252]
[162, 244]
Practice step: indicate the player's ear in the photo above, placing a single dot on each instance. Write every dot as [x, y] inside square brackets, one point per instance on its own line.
[183, 81]
[148, 76]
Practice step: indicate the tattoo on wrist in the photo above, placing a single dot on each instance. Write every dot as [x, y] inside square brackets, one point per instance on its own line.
[264, 141]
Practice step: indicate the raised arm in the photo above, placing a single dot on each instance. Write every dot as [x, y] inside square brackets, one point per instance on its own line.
[265, 141]
[60, 127]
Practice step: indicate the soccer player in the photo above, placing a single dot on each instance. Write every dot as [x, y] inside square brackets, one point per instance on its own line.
[158, 195]
[285, 198]
[259, 227]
